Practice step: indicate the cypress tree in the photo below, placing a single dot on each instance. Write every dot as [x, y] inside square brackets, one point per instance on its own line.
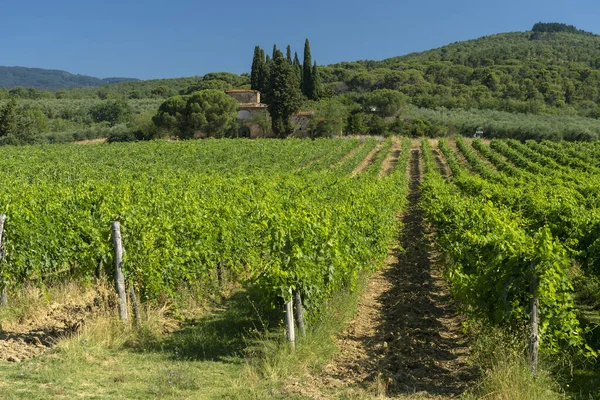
[258, 66]
[288, 54]
[307, 70]
[298, 68]
[283, 95]
[316, 90]
[262, 72]
[275, 50]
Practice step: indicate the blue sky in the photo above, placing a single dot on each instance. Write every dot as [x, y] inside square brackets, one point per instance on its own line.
[163, 39]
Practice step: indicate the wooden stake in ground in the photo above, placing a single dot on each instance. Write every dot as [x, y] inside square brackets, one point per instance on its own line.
[119, 278]
[534, 339]
[135, 306]
[299, 312]
[4, 295]
[289, 323]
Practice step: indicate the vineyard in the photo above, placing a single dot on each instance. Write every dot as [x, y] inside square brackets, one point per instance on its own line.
[518, 221]
[279, 216]
[516, 224]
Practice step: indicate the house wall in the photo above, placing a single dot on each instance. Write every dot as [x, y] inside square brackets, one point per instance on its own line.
[255, 129]
[302, 125]
[246, 97]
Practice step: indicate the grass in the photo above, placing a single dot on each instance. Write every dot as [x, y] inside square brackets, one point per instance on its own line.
[204, 358]
[231, 351]
[506, 373]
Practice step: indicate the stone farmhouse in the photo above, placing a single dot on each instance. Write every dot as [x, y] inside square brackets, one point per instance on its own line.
[250, 109]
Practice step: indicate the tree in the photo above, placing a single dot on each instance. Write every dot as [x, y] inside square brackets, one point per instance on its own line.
[297, 67]
[171, 116]
[211, 112]
[385, 102]
[111, 111]
[316, 88]
[263, 72]
[163, 91]
[329, 119]
[258, 62]
[288, 54]
[208, 111]
[216, 84]
[16, 127]
[307, 81]
[283, 96]
[356, 124]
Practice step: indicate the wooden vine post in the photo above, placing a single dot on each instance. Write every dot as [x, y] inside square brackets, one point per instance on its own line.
[289, 322]
[534, 339]
[119, 278]
[135, 306]
[4, 294]
[299, 312]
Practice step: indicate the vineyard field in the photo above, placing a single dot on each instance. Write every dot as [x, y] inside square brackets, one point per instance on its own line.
[277, 215]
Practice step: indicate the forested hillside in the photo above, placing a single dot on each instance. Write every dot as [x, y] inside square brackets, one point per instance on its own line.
[50, 79]
[534, 72]
[539, 84]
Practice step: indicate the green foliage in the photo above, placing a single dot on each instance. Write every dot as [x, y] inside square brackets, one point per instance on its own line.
[500, 124]
[258, 66]
[210, 112]
[555, 74]
[247, 206]
[19, 126]
[356, 124]
[377, 126]
[555, 27]
[171, 116]
[493, 249]
[329, 118]
[316, 86]
[385, 102]
[215, 84]
[112, 112]
[283, 95]
[307, 78]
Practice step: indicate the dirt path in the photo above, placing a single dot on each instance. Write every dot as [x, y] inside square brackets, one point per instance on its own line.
[391, 160]
[483, 158]
[368, 160]
[405, 338]
[459, 155]
[440, 160]
[351, 153]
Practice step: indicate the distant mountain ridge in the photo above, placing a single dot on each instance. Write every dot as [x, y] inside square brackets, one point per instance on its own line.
[40, 78]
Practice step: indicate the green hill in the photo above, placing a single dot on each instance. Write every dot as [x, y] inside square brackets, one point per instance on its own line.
[536, 72]
[551, 69]
[541, 83]
[39, 78]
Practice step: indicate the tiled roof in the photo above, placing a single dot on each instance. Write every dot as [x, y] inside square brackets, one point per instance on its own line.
[241, 91]
[252, 105]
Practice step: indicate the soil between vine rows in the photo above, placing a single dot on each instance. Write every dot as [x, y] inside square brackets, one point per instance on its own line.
[406, 337]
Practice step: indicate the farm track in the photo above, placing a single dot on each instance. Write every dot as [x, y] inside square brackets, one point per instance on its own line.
[350, 154]
[459, 155]
[481, 156]
[368, 160]
[440, 160]
[406, 337]
[391, 159]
